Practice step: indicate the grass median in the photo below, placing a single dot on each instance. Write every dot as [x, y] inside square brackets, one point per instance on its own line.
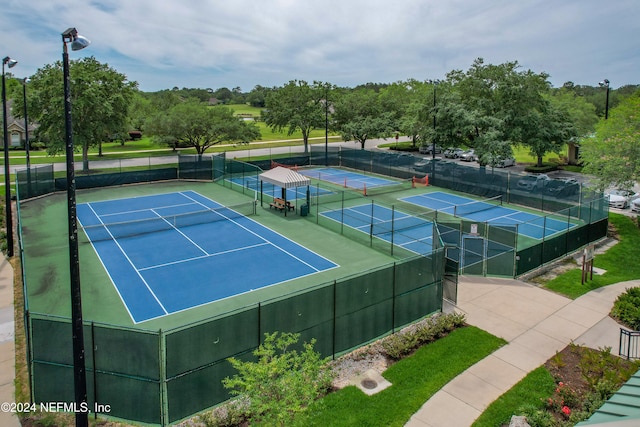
[414, 380]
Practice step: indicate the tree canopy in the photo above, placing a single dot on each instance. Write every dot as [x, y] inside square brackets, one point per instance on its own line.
[359, 115]
[195, 124]
[612, 154]
[100, 98]
[297, 105]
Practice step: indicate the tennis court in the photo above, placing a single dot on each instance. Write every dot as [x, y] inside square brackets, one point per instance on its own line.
[491, 211]
[170, 252]
[407, 231]
[347, 179]
[253, 183]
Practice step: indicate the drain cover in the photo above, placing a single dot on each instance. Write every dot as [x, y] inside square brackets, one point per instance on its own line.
[369, 384]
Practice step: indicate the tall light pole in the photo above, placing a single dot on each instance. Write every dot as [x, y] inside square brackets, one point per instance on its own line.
[7, 172]
[433, 143]
[605, 84]
[326, 125]
[79, 375]
[26, 121]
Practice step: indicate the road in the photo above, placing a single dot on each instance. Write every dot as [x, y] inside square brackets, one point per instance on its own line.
[161, 160]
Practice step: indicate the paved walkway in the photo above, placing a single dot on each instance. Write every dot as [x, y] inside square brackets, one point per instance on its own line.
[7, 354]
[536, 323]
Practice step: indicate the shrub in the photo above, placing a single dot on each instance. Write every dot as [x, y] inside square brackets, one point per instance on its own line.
[406, 341]
[537, 417]
[626, 308]
[282, 382]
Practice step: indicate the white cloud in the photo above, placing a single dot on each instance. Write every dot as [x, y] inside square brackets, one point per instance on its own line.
[206, 43]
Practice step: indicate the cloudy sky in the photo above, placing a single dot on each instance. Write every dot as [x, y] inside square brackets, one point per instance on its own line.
[211, 44]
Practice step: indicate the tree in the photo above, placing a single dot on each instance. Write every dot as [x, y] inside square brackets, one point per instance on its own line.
[100, 98]
[282, 382]
[359, 116]
[406, 101]
[504, 105]
[612, 155]
[257, 96]
[581, 112]
[194, 124]
[140, 110]
[297, 106]
[546, 129]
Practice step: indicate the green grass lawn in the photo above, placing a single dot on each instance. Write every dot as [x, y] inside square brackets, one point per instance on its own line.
[617, 261]
[531, 390]
[414, 380]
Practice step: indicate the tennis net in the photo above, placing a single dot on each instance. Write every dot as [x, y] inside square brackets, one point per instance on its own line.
[398, 225]
[118, 230]
[477, 206]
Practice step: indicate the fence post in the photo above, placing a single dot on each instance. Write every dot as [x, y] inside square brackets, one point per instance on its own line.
[162, 359]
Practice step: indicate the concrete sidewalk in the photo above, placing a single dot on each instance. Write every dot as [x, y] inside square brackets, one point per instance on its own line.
[7, 349]
[536, 323]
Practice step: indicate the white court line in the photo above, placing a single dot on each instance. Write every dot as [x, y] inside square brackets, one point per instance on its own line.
[130, 262]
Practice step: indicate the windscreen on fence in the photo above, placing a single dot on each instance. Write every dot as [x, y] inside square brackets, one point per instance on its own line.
[219, 160]
[118, 178]
[199, 167]
[111, 379]
[324, 155]
[35, 181]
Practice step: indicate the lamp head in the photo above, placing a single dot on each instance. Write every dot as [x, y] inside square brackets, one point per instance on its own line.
[9, 62]
[78, 42]
[604, 83]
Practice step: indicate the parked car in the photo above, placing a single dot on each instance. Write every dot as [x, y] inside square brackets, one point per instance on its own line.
[428, 149]
[422, 164]
[621, 199]
[533, 182]
[562, 187]
[635, 205]
[402, 159]
[444, 166]
[468, 156]
[453, 153]
[498, 162]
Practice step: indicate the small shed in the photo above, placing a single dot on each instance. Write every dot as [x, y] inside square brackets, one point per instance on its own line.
[285, 178]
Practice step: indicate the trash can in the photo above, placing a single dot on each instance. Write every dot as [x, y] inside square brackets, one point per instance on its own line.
[304, 210]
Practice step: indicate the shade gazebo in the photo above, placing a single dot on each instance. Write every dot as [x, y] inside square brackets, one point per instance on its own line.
[284, 178]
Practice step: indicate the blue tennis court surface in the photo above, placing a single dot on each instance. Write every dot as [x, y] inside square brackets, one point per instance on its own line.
[171, 252]
[529, 224]
[347, 179]
[410, 232]
[269, 189]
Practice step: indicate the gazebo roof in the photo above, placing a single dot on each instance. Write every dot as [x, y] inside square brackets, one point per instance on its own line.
[285, 178]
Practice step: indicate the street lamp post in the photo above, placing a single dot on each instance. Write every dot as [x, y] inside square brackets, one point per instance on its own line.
[433, 143]
[79, 375]
[326, 125]
[605, 84]
[7, 172]
[26, 122]
[433, 146]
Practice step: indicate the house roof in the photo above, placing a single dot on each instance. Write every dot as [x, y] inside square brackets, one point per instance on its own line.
[285, 178]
